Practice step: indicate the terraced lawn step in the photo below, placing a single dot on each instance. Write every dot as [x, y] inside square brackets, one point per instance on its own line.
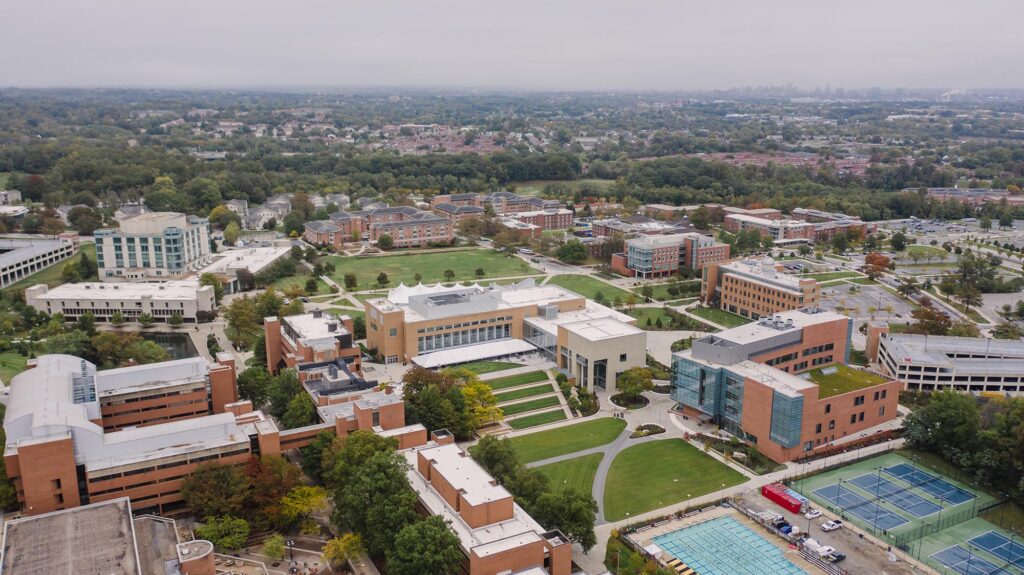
[538, 419]
[524, 392]
[531, 405]
[516, 380]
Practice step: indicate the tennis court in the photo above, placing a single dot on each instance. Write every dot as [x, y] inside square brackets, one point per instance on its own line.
[899, 496]
[854, 504]
[930, 483]
[1000, 546]
[965, 562]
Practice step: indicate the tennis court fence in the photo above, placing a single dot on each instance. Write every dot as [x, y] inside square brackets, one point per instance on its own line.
[903, 540]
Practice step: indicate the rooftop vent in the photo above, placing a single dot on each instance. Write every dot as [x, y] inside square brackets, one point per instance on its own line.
[332, 326]
[317, 313]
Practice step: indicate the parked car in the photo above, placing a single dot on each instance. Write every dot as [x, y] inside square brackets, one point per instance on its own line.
[813, 514]
[835, 556]
[831, 525]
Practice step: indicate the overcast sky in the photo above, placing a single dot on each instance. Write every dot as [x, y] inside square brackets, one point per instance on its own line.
[526, 44]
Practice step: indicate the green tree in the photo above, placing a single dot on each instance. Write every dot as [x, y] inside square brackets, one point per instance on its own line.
[311, 286]
[300, 413]
[449, 275]
[146, 320]
[376, 502]
[382, 279]
[385, 242]
[969, 295]
[242, 315]
[86, 266]
[985, 223]
[232, 233]
[427, 547]
[209, 279]
[908, 286]
[302, 501]
[71, 273]
[948, 424]
[340, 551]
[1007, 330]
[86, 324]
[700, 218]
[227, 533]
[254, 384]
[634, 381]
[342, 459]
[351, 282]
[313, 455]
[647, 291]
[273, 546]
[571, 512]
[215, 489]
[572, 252]
[175, 320]
[898, 241]
[480, 272]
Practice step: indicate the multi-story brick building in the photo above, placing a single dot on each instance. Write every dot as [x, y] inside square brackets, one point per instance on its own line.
[547, 219]
[755, 288]
[155, 245]
[745, 380]
[467, 199]
[495, 534]
[828, 224]
[407, 227]
[313, 337]
[508, 202]
[434, 326]
[659, 256]
[458, 213]
[781, 231]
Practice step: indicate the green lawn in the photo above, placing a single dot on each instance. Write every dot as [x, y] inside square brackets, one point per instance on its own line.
[51, 276]
[660, 291]
[659, 473]
[431, 267]
[588, 287]
[970, 312]
[844, 380]
[531, 405]
[923, 253]
[284, 284]
[642, 314]
[11, 364]
[524, 392]
[537, 419]
[568, 439]
[577, 473]
[479, 367]
[517, 379]
[826, 276]
[719, 316]
[863, 281]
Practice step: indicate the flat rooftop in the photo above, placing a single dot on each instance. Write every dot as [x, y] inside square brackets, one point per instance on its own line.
[96, 539]
[762, 270]
[465, 475]
[171, 290]
[17, 250]
[778, 323]
[252, 259]
[601, 328]
[316, 326]
[839, 379]
[142, 377]
[991, 356]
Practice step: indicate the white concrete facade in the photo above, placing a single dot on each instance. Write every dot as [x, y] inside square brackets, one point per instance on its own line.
[157, 245]
[161, 300]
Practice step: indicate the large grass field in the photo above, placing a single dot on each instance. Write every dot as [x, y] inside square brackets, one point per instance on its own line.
[537, 419]
[642, 314]
[52, 275]
[588, 287]
[403, 268]
[719, 316]
[577, 473]
[568, 439]
[659, 473]
[11, 364]
[479, 367]
[518, 379]
[523, 392]
[540, 403]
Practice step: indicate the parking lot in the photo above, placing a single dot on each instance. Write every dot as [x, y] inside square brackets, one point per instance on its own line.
[862, 555]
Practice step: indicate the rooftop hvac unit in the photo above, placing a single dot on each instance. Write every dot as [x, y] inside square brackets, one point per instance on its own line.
[332, 326]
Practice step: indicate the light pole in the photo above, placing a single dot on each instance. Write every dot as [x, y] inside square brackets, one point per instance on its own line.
[290, 544]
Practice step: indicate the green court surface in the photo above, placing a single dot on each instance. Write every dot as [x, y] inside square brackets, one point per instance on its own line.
[524, 392]
[659, 473]
[589, 287]
[567, 439]
[577, 473]
[539, 403]
[955, 521]
[537, 419]
[402, 268]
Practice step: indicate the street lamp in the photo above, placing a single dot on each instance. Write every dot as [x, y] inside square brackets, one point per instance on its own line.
[290, 544]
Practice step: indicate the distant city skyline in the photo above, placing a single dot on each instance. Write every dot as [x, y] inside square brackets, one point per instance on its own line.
[527, 44]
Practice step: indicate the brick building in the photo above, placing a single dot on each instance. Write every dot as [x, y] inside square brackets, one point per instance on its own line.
[745, 380]
[756, 287]
[457, 213]
[407, 226]
[309, 338]
[655, 256]
[781, 231]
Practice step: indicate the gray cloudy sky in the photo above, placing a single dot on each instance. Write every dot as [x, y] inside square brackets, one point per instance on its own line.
[528, 44]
